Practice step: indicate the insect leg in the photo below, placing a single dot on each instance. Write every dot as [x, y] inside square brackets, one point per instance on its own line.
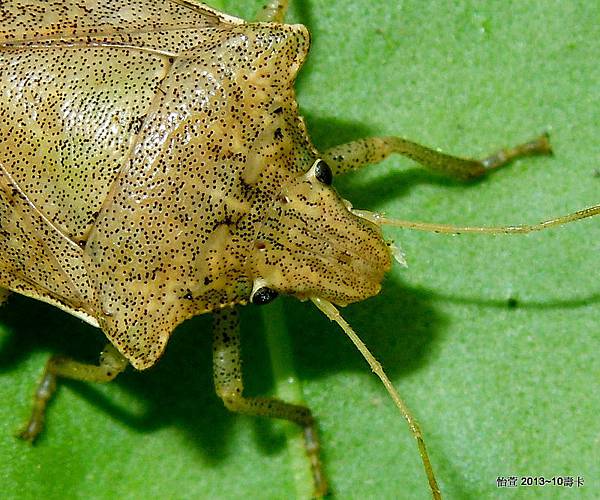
[227, 373]
[273, 11]
[111, 364]
[357, 154]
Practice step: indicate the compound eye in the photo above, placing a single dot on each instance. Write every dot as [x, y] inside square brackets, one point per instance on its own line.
[263, 296]
[323, 173]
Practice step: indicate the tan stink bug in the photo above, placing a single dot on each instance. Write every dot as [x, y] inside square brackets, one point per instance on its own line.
[115, 447]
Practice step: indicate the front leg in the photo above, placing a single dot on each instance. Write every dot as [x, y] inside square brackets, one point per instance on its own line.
[357, 154]
[227, 374]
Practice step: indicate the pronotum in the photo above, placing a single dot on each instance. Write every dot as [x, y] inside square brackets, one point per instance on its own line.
[519, 218]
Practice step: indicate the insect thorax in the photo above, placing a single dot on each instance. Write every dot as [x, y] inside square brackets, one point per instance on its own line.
[221, 138]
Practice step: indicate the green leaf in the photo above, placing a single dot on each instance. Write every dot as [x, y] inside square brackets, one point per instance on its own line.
[492, 341]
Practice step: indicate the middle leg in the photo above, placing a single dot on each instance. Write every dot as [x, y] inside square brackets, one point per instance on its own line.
[273, 11]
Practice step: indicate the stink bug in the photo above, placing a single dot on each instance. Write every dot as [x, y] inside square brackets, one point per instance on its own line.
[387, 437]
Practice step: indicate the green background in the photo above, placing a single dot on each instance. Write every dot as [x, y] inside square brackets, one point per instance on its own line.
[492, 341]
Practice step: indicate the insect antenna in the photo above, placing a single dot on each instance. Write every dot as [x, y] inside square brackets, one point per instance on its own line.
[382, 220]
[333, 314]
